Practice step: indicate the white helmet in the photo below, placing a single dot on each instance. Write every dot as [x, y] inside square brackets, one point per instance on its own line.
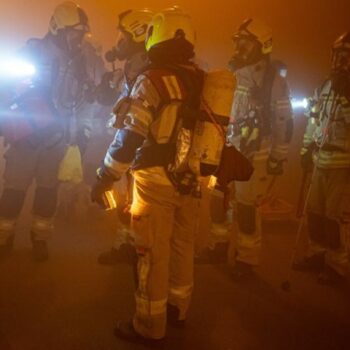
[68, 15]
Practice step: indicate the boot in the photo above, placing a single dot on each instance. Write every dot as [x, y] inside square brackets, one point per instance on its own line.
[39, 249]
[241, 271]
[312, 263]
[125, 254]
[329, 277]
[173, 317]
[6, 248]
[126, 331]
[218, 255]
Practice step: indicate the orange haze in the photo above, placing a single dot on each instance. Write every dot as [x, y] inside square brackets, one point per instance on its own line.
[303, 30]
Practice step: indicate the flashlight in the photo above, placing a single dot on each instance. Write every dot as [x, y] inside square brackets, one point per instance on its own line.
[109, 200]
[16, 68]
[298, 104]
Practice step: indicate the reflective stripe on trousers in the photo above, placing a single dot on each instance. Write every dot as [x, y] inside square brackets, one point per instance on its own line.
[330, 198]
[247, 247]
[42, 228]
[164, 227]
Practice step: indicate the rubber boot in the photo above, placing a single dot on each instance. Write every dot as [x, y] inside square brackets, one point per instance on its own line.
[329, 277]
[126, 331]
[241, 271]
[126, 254]
[218, 255]
[39, 249]
[173, 317]
[314, 263]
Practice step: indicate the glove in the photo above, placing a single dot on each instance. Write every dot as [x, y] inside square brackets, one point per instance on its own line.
[274, 167]
[101, 192]
[89, 91]
[107, 92]
[306, 160]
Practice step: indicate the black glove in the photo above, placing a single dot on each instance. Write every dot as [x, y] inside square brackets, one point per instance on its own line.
[101, 191]
[274, 167]
[306, 160]
[108, 90]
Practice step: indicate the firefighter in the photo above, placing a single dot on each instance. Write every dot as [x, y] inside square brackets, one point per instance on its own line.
[91, 105]
[162, 99]
[327, 145]
[89, 118]
[37, 131]
[130, 47]
[261, 128]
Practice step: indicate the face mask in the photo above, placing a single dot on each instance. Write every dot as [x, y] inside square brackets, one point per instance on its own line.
[74, 39]
[125, 46]
[247, 52]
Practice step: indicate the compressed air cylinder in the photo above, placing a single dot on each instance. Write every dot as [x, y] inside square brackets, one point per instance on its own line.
[210, 130]
[218, 91]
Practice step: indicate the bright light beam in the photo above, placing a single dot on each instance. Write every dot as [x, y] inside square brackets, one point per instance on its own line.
[300, 103]
[16, 68]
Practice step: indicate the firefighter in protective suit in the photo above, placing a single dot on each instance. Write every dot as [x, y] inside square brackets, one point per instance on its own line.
[37, 129]
[90, 106]
[130, 47]
[164, 97]
[327, 144]
[261, 128]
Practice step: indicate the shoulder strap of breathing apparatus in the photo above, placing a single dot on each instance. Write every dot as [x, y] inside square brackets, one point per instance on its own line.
[183, 85]
[266, 96]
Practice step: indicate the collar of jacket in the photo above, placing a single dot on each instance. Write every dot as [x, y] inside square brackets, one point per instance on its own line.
[135, 65]
[252, 76]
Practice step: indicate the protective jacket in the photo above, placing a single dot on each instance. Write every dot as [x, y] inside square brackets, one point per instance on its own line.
[329, 128]
[66, 77]
[262, 112]
[263, 125]
[59, 85]
[150, 119]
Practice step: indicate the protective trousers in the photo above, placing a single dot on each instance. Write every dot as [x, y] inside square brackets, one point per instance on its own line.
[33, 158]
[123, 189]
[328, 217]
[245, 243]
[164, 226]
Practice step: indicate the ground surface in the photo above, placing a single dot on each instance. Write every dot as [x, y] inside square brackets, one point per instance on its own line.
[72, 303]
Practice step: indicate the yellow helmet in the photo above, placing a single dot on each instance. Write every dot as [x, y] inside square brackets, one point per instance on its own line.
[135, 22]
[170, 24]
[68, 15]
[253, 42]
[258, 31]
